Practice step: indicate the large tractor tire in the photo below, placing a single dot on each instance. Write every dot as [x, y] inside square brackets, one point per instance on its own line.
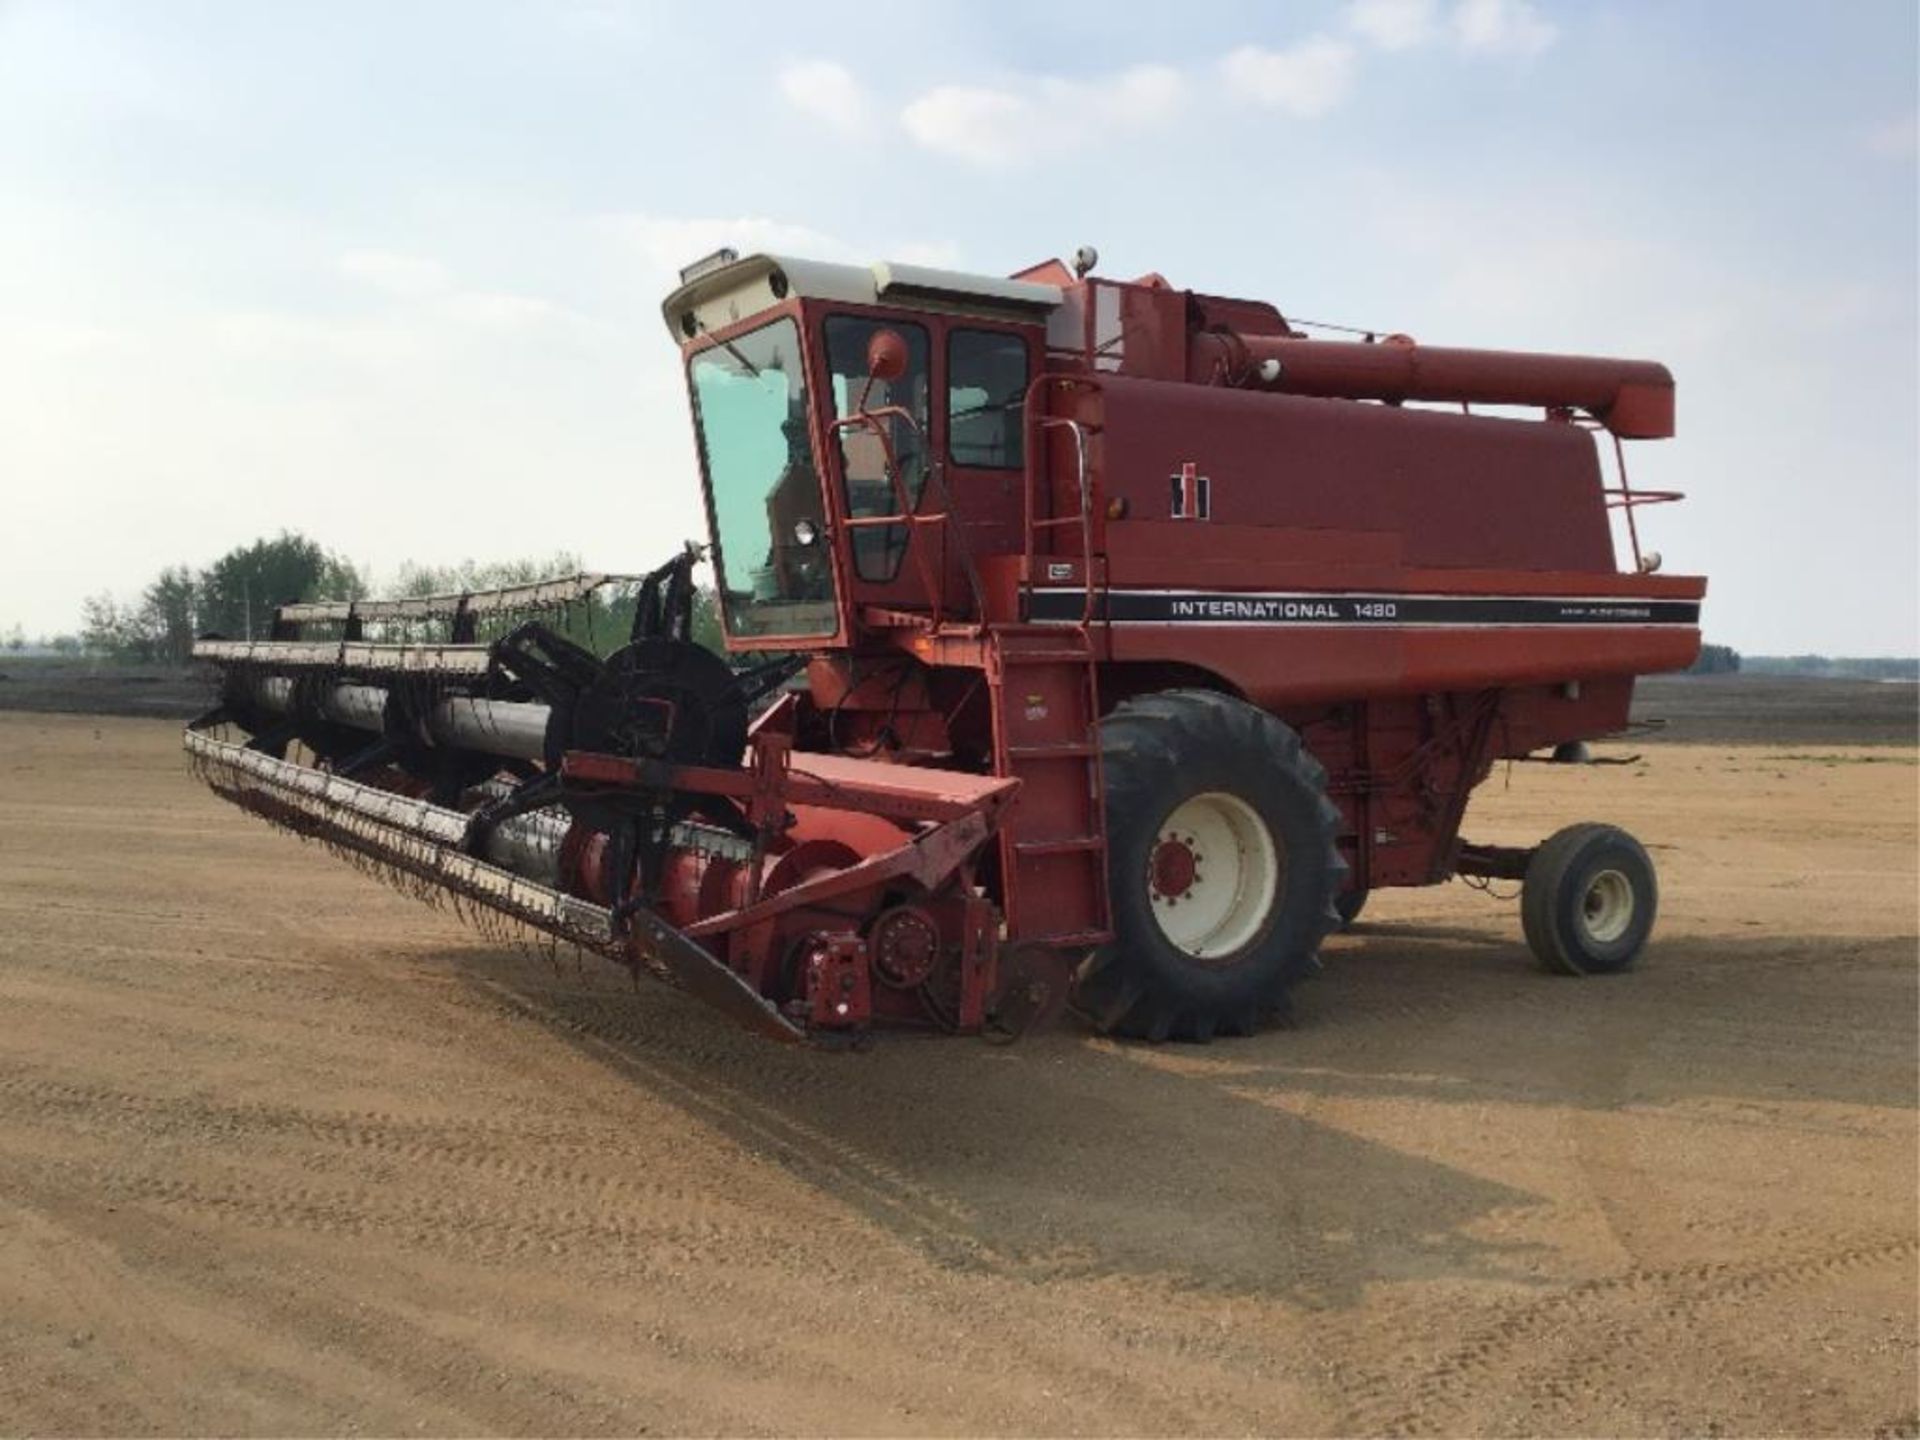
[1222, 868]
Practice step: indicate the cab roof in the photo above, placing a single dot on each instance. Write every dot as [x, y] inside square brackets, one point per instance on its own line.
[722, 291]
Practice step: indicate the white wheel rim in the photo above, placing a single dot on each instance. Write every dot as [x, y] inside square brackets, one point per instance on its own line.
[1606, 910]
[1230, 864]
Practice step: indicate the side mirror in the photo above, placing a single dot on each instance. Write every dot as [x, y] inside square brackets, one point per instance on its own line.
[886, 355]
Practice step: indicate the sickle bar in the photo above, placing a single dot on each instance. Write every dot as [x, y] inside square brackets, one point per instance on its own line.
[417, 847]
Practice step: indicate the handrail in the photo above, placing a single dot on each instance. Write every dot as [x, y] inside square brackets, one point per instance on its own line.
[908, 516]
[1084, 482]
[1626, 499]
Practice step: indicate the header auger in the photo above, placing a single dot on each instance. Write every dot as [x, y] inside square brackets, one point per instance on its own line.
[1091, 642]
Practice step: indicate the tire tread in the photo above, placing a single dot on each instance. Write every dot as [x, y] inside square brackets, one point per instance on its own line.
[1141, 740]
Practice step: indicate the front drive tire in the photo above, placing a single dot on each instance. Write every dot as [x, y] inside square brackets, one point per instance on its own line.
[1588, 901]
[1222, 867]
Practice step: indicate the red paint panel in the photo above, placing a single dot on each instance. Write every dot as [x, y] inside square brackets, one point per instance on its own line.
[1455, 490]
[1279, 667]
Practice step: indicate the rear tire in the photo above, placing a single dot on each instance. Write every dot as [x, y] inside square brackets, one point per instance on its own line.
[1589, 900]
[1222, 867]
[1348, 904]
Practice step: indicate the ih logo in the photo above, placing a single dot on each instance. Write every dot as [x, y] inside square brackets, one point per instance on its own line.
[1192, 494]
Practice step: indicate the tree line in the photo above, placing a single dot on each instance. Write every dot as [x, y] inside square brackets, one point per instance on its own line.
[1716, 660]
[235, 597]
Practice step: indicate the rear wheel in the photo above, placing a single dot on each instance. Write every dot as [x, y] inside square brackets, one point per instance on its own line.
[1222, 867]
[1588, 902]
[1348, 904]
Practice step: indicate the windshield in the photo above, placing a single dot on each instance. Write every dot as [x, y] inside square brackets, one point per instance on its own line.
[750, 412]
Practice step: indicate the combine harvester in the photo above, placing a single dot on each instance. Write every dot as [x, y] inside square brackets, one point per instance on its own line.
[1093, 640]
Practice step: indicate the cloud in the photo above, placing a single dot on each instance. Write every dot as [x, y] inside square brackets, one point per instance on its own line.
[504, 310]
[407, 276]
[1501, 27]
[826, 91]
[427, 292]
[601, 19]
[662, 245]
[1393, 24]
[1897, 139]
[983, 127]
[1477, 27]
[997, 127]
[1305, 80]
[652, 249]
[937, 254]
[288, 340]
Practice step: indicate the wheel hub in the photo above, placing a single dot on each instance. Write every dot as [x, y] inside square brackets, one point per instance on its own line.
[1215, 876]
[1175, 867]
[1606, 910]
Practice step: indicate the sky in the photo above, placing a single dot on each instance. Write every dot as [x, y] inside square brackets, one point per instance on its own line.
[389, 273]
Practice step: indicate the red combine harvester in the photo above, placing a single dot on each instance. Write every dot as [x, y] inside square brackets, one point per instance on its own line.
[1091, 640]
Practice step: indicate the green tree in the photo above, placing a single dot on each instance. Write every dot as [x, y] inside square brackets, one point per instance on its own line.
[706, 620]
[166, 618]
[416, 579]
[107, 629]
[237, 593]
[601, 623]
[1716, 660]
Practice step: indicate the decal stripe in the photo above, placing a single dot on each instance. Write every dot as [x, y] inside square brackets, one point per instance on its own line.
[1379, 609]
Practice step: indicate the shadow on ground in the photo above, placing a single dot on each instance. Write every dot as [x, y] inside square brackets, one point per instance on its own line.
[1067, 1154]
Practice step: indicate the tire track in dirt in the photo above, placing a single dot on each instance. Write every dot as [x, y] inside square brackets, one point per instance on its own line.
[523, 1164]
[1676, 1294]
[621, 1239]
[941, 1228]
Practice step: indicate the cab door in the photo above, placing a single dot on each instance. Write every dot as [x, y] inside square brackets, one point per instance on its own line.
[964, 385]
[876, 554]
[984, 370]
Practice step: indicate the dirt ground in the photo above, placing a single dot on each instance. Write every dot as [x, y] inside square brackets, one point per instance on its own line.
[283, 1152]
[1776, 710]
[86, 686]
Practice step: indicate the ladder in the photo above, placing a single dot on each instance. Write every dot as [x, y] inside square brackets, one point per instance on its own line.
[1053, 842]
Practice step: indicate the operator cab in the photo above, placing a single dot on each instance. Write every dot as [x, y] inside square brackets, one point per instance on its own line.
[861, 433]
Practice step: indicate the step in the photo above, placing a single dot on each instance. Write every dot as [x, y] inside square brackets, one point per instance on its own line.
[1065, 845]
[1068, 939]
[1045, 657]
[1066, 750]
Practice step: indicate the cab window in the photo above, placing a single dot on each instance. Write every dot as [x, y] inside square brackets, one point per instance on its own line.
[986, 395]
[878, 549]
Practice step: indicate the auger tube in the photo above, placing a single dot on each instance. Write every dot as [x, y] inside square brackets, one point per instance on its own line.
[527, 845]
[511, 729]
